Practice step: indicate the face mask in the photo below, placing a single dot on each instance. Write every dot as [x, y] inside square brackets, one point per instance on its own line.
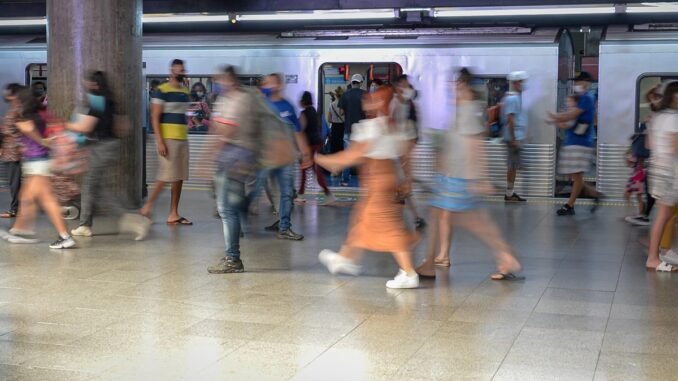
[579, 89]
[408, 94]
[199, 94]
[96, 102]
[267, 91]
[373, 88]
[39, 92]
[180, 78]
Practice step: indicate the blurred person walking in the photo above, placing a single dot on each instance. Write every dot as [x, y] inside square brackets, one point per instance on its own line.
[310, 126]
[377, 221]
[335, 116]
[577, 152]
[664, 176]
[351, 102]
[514, 120]
[96, 121]
[168, 118]
[11, 148]
[458, 185]
[36, 171]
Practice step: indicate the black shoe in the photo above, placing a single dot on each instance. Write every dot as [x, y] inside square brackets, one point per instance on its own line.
[419, 224]
[227, 266]
[596, 203]
[566, 210]
[274, 227]
[514, 198]
[290, 235]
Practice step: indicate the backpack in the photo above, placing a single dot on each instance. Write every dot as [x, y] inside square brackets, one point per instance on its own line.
[279, 144]
[494, 121]
[638, 147]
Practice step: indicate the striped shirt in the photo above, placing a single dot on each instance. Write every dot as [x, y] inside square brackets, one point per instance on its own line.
[175, 102]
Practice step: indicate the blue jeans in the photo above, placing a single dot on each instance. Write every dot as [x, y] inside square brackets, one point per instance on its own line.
[285, 178]
[232, 205]
[346, 174]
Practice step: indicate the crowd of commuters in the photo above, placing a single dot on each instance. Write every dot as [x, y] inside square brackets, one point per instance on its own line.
[261, 140]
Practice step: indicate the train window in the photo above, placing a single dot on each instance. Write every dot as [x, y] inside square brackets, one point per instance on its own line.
[36, 72]
[199, 109]
[649, 84]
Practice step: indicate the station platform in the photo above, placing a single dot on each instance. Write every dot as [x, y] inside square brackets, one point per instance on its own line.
[116, 309]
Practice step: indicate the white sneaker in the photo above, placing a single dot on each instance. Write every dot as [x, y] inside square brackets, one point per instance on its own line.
[336, 264]
[63, 243]
[82, 231]
[670, 257]
[329, 200]
[637, 220]
[14, 231]
[21, 240]
[136, 224]
[402, 280]
[70, 212]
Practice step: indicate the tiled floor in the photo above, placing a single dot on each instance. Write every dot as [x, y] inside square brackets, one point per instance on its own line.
[116, 309]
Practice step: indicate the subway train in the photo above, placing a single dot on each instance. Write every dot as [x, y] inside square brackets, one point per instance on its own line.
[629, 59]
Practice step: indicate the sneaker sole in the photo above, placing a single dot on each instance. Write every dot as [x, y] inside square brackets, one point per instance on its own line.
[399, 287]
[290, 238]
[235, 271]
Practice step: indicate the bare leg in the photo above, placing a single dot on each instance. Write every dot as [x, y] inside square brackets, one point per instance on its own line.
[660, 221]
[578, 179]
[174, 205]
[147, 209]
[51, 206]
[404, 260]
[351, 253]
[427, 267]
[25, 219]
[445, 237]
[479, 224]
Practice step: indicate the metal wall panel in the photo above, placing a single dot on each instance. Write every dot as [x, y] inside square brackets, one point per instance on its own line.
[613, 173]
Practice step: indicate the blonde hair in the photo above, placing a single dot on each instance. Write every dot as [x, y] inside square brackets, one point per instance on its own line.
[339, 91]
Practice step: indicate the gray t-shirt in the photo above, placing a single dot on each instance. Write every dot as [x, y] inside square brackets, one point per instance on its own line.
[457, 151]
[236, 108]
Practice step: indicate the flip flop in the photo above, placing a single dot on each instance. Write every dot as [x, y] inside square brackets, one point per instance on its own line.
[180, 221]
[8, 214]
[442, 263]
[664, 268]
[506, 277]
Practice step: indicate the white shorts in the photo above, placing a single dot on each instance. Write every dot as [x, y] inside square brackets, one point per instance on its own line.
[40, 167]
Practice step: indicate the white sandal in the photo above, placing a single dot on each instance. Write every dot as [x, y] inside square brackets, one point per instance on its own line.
[666, 268]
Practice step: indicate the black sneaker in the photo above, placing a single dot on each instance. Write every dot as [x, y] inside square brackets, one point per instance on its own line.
[290, 235]
[227, 266]
[62, 243]
[514, 198]
[596, 203]
[274, 227]
[419, 224]
[566, 210]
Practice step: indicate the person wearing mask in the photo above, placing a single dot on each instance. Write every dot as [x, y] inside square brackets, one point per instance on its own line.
[404, 114]
[310, 126]
[460, 182]
[234, 122]
[11, 148]
[514, 120]
[377, 221]
[40, 92]
[199, 111]
[335, 116]
[36, 186]
[577, 151]
[272, 88]
[96, 121]
[352, 106]
[168, 118]
[663, 136]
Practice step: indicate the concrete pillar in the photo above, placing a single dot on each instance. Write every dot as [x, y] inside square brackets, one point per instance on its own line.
[84, 35]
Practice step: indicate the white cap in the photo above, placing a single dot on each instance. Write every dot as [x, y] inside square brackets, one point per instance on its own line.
[357, 78]
[517, 76]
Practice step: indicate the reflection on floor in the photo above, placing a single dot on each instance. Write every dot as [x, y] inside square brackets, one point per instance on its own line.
[116, 309]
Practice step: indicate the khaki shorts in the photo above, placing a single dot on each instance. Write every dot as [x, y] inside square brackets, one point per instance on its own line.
[41, 167]
[174, 166]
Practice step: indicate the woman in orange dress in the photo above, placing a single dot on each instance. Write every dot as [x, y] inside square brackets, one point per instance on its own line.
[377, 220]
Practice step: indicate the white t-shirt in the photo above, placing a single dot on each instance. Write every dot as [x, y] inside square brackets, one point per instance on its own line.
[663, 128]
[460, 139]
[386, 144]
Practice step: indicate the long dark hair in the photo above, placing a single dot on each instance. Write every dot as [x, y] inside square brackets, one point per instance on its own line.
[670, 93]
[306, 99]
[29, 104]
[99, 78]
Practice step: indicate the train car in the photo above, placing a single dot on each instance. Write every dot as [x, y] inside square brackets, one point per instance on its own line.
[315, 64]
[632, 62]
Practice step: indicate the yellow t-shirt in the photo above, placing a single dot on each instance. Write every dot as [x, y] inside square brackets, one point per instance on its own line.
[175, 102]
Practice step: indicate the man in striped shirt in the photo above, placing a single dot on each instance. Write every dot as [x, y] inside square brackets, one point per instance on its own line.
[168, 118]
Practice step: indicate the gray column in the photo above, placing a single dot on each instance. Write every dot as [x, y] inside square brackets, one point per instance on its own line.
[84, 35]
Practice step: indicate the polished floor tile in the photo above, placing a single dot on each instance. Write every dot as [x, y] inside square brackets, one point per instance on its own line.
[115, 309]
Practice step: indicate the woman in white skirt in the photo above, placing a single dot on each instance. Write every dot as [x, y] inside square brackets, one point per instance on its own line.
[663, 135]
[577, 152]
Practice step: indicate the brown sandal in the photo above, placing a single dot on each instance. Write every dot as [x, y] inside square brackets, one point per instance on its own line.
[442, 262]
[8, 214]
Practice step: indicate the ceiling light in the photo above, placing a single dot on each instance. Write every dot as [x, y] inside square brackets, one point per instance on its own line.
[522, 11]
[23, 22]
[349, 14]
[395, 32]
[150, 19]
[653, 8]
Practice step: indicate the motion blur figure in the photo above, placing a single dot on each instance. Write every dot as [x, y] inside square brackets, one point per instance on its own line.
[96, 121]
[460, 182]
[514, 120]
[11, 148]
[36, 171]
[377, 221]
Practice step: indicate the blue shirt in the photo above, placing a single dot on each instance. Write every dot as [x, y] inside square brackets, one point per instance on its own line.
[288, 113]
[513, 105]
[588, 106]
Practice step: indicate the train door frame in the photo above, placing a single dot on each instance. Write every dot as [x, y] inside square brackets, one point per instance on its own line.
[639, 96]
